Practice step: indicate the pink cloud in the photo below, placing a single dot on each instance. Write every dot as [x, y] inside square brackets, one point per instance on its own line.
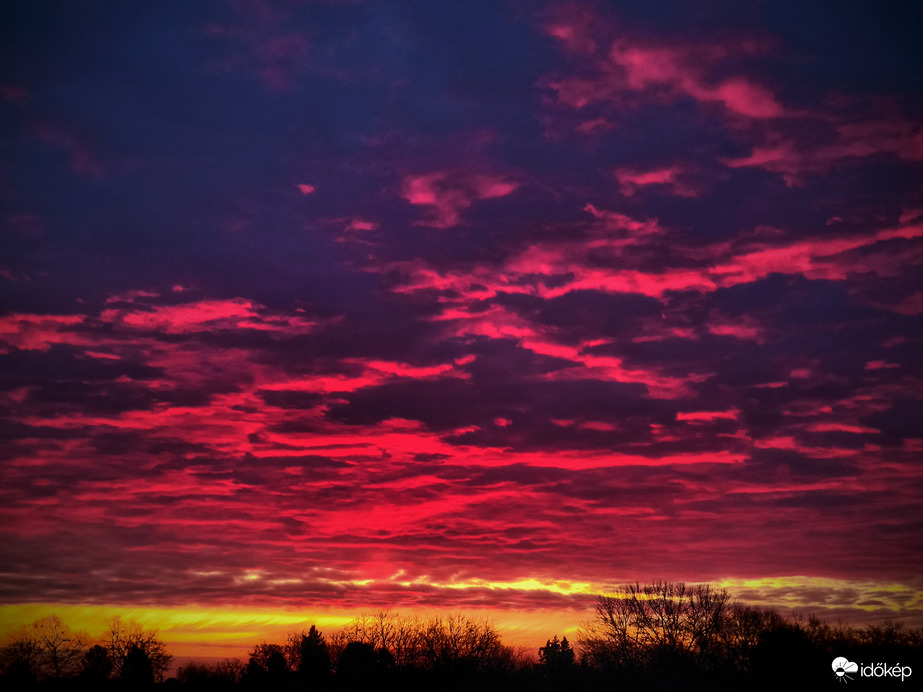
[207, 315]
[744, 327]
[633, 70]
[260, 45]
[840, 427]
[134, 296]
[881, 365]
[554, 268]
[741, 96]
[445, 195]
[579, 92]
[363, 373]
[587, 366]
[707, 416]
[39, 332]
[574, 27]
[357, 232]
[594, 126]
[668, 179]
[527, 270]
[361, 225]
[795, 160]
[833, 259]
[499, 323]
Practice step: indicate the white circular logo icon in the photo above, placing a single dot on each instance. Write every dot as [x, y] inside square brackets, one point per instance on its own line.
[842, 666]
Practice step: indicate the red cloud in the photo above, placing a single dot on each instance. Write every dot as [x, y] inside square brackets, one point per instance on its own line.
[635, 70]
[39, 332]
[555, 268]
[207, 315]
[445, 195]
[707, 416]
[832, 259]
[669, 179]
[575, 27]
[795, 159]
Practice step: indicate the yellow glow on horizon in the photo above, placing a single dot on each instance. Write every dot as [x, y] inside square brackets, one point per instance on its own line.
[188, 631]
[789, 591]
[205, 633]
[198, 631]
[563, 587]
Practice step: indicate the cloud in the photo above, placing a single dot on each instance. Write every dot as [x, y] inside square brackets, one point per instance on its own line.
[667, 179]
[39, 332]
[206, 315]
[797, 158]
[445, 195]
[258, 42]
[629, 70]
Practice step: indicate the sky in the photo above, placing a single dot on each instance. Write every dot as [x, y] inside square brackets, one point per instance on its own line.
[315, 308]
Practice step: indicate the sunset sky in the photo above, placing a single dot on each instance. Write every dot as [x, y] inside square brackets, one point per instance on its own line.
[483, 306]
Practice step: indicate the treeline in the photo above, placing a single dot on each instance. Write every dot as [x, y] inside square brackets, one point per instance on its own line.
[383, 651]
[672, 636]
[48, 653]
[659, 636]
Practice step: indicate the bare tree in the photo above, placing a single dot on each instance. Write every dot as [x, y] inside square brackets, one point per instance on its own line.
[611, 639]
[21, 654]
[442, 643]
[742, 630]
[123, 639]
[385, 630]
[458, 642]
[62, 649]
[46, 649]
[660, 618]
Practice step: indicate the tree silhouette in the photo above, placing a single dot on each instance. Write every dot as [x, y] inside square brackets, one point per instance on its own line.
[223, 675]
[137, 670]
[45, 649]
[62, 649]
[96, 666]
[124, 638]
[20, 657]
[558, 662]
[268, 668]
[458, 644]
[314, 659]
[357, 666]
[399, 636]
[662, 620]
